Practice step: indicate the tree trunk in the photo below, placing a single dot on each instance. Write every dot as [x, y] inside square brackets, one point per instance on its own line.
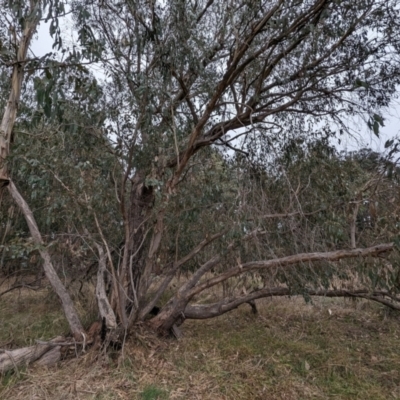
[171, 315]
[66, 301]
[126, 302]
[10, 112]
[141, 204]
[104, 306]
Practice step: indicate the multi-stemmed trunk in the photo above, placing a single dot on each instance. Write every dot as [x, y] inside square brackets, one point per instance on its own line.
[128, 286]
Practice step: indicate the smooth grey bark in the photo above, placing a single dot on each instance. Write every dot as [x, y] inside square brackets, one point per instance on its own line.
[17, 77]
[51, 274]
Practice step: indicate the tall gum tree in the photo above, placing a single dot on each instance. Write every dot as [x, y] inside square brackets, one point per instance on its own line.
[21, 19]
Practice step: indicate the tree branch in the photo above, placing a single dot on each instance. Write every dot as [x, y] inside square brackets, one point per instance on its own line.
[226, 305]
[374, 251]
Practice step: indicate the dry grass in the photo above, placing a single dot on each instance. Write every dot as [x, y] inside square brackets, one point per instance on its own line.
[291, 350]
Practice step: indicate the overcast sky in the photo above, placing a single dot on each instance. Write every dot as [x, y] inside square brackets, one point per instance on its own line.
[363, 137]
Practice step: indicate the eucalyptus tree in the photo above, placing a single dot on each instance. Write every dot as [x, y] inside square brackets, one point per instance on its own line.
[56, 80]
[186, 75]
[182, 79]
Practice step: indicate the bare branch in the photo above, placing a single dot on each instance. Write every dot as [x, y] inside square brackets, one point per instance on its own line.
[225, 305]
[374, 251]
[163, 286]
[284, 215]
[23, 285]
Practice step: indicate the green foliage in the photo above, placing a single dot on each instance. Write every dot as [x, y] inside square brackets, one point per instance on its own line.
[313, 190]
[67, 172]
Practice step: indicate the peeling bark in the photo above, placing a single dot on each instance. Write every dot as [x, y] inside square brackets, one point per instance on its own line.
[105, 308]
[45, 354]
[51, 358]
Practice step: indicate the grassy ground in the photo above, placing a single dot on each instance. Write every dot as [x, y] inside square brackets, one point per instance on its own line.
[291, 350]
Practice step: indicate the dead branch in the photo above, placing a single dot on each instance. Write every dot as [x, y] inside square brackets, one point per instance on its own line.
[55, 344]
[199, 273]
[23, 285]
[225, 305]
[13, 359]
[374, 251]
[285, 215]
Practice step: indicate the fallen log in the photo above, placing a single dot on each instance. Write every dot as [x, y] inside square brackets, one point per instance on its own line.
[44, 354]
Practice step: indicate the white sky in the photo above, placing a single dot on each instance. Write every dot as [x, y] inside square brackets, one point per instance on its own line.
[363, 137]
